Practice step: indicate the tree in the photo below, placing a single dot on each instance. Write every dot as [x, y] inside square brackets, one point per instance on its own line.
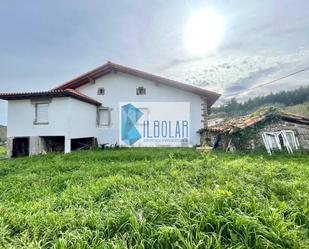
[283, 98]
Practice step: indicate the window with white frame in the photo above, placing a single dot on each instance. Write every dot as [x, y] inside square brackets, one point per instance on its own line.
[141, 90]
[104, 117]
[41, 113]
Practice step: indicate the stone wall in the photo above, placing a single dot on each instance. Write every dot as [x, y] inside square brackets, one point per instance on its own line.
[301, 132]
[2, 133]
[205, 113]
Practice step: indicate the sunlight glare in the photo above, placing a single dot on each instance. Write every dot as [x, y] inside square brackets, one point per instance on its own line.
[203, 32]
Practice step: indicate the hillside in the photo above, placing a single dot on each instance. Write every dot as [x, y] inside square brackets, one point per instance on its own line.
[154, 198]
[300, 109]
[283, 99]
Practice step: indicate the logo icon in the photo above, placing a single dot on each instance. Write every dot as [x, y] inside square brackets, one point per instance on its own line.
[129, 117]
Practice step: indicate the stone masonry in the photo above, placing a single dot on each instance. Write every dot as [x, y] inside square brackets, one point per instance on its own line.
[301, 131]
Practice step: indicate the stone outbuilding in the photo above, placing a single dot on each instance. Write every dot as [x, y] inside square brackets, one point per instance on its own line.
[245, 133]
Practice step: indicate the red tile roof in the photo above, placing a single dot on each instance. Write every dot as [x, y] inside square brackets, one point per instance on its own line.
[235, 124]
[53, 93]
[251, 121]
[110, 67]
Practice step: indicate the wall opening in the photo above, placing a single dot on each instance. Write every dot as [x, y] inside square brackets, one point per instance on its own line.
[83, 143]
[53, 144]
[20, 147]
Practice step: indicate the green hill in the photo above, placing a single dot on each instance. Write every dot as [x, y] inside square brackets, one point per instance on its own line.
[281, 99]
[300, 109]
[154, 198]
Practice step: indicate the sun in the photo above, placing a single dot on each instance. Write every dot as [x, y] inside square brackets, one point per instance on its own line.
[203, 32]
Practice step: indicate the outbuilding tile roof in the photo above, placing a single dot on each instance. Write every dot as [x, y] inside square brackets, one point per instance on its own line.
[235, 124]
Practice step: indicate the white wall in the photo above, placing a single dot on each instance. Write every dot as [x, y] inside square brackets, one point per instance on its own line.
[67, 117]
[83, 119]
[121, 87]
[21, 116]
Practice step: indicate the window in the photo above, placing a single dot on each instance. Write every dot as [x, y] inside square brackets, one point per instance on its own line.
[101, 91]
[141, 90]
[41, 113]
[104, 117]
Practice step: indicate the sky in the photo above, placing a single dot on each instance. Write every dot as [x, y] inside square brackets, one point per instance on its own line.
[45, 43]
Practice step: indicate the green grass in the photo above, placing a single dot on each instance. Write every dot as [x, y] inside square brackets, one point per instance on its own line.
[2, 151]
[154, 198]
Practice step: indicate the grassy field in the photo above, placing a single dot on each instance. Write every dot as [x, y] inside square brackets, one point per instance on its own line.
[154, 198]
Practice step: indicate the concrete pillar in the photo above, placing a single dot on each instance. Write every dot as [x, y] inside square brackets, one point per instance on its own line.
[35, 147]
[9, 147]
[67, 145]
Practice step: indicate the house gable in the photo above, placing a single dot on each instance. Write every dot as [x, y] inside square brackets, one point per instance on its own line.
[121, 87]
[91, 76]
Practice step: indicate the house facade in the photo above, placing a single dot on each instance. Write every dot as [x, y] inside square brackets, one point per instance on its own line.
[111, 104]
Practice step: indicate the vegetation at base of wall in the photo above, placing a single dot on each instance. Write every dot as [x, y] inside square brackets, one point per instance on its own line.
[154, 198]
[2, 151]
[282, 99]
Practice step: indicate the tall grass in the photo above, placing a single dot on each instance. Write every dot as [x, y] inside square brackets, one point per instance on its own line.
[154, 198]
[2, 151]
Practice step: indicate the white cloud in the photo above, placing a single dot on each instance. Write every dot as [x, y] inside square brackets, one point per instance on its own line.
[233, 75]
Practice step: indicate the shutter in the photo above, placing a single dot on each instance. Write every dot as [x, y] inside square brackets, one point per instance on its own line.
[104, 117]
[42, 113]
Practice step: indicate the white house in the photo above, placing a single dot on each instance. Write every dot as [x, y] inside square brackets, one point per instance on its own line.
[112, 104]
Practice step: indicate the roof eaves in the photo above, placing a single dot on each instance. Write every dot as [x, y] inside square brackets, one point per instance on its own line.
[82, 96]
[295, 118]
[52, 93]
[84, 78]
